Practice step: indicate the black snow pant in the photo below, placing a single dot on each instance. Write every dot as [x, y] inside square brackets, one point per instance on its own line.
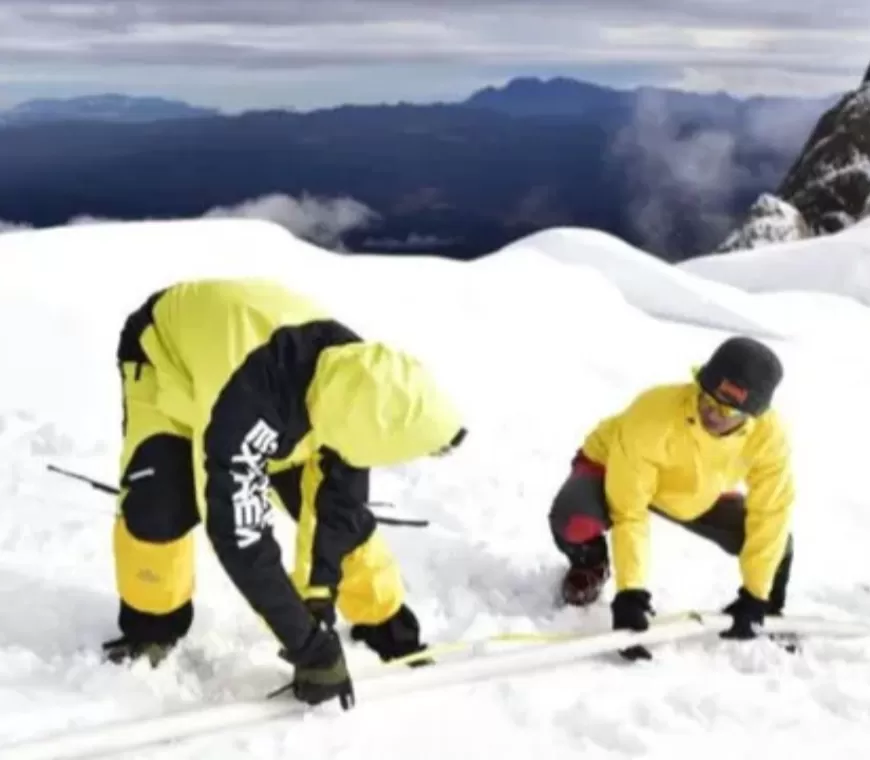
[579, 516]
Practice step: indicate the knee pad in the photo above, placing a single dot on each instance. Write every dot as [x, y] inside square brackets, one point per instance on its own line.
[580, 529]
[160, 503]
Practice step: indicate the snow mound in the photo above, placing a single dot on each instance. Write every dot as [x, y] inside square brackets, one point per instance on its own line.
[537, 341]
[838, 265]
[648, 283]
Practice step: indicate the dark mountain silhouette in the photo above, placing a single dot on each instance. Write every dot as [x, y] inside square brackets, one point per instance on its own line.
[529, 96]
[668, 171]
[826, 188]
[560, 96]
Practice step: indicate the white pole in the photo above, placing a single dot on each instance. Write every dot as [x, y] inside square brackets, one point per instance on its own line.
[390, 683]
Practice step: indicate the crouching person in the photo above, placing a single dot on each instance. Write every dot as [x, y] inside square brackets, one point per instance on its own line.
[679, 451]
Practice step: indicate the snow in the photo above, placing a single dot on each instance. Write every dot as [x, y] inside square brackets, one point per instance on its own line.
[536, 341]
[837, 265]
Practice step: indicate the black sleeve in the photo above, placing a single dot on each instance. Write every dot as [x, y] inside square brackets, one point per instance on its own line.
[343, 520]
[240, 436]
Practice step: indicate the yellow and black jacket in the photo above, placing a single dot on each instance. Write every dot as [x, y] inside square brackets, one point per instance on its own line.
[656, 453]
[258, 375]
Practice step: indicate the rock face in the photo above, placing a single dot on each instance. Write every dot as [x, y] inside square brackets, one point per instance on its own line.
[770, 220]
[826, 189]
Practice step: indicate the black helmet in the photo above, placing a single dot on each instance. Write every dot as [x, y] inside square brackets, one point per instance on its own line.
[743, 373]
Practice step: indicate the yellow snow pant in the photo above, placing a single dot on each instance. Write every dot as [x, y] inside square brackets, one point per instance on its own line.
[157, 512]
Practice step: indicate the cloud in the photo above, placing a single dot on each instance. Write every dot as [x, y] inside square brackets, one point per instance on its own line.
[716, 40]
[119, 15]
[415, 241]
[322, 221]
[675, 176]
[12, 227]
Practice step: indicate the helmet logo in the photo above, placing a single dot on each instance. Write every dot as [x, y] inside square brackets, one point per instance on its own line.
[732, 391]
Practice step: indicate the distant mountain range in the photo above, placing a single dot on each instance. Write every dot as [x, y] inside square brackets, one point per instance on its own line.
[111, 107]
[520, 97]
[667, 170]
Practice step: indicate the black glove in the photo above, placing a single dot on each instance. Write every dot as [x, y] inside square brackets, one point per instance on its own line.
[748, 613]
[631, 610]
[323, 611]
[320, 671]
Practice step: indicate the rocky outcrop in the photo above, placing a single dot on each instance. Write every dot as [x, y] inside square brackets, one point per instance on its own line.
[827, 188]
[770, 220]
[830, 182]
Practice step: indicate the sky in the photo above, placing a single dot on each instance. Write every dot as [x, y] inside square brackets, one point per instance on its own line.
[304, 55]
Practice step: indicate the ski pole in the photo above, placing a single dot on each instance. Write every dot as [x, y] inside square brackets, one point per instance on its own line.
[93, 483]
[105, 488]
[405, 521]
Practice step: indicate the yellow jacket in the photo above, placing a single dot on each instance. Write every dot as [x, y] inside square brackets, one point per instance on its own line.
[262, 377]
[656, 453]
[373, 405]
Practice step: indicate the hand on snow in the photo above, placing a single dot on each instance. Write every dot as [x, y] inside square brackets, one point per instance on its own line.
[320, 671]
[631, 610]
[748, 614]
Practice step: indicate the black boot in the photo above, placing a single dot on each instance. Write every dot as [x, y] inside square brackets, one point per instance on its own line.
[123, 649]
[147, 635]
[394, 638]
[588, 572]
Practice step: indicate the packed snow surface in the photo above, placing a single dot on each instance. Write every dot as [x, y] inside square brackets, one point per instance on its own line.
[536, 341]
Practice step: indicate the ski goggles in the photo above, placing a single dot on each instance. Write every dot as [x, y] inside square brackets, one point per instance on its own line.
[722, 409]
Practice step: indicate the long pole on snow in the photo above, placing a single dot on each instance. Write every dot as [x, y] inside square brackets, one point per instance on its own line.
[105, 488]
[389, 683]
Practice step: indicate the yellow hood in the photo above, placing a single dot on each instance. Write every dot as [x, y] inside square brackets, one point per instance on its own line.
[378, 406]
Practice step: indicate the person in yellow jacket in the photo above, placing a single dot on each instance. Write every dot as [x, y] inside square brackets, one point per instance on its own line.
[238, 394]
[681, 451]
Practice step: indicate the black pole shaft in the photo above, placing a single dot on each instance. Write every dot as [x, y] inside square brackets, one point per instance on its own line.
[410, 523]
[93, 483]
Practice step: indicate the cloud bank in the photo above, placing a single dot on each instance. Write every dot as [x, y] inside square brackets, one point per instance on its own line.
[321, 221]
[794, 46]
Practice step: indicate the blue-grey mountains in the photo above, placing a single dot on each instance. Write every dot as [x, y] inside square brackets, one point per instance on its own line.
[112, 107]
[670, 171]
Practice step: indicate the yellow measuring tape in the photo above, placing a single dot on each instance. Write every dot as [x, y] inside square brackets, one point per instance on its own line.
[499, 638]
[531, 637]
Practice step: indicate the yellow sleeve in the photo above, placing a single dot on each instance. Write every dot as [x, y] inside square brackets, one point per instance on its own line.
[769, 503]
[630, 482]
[332, 523]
